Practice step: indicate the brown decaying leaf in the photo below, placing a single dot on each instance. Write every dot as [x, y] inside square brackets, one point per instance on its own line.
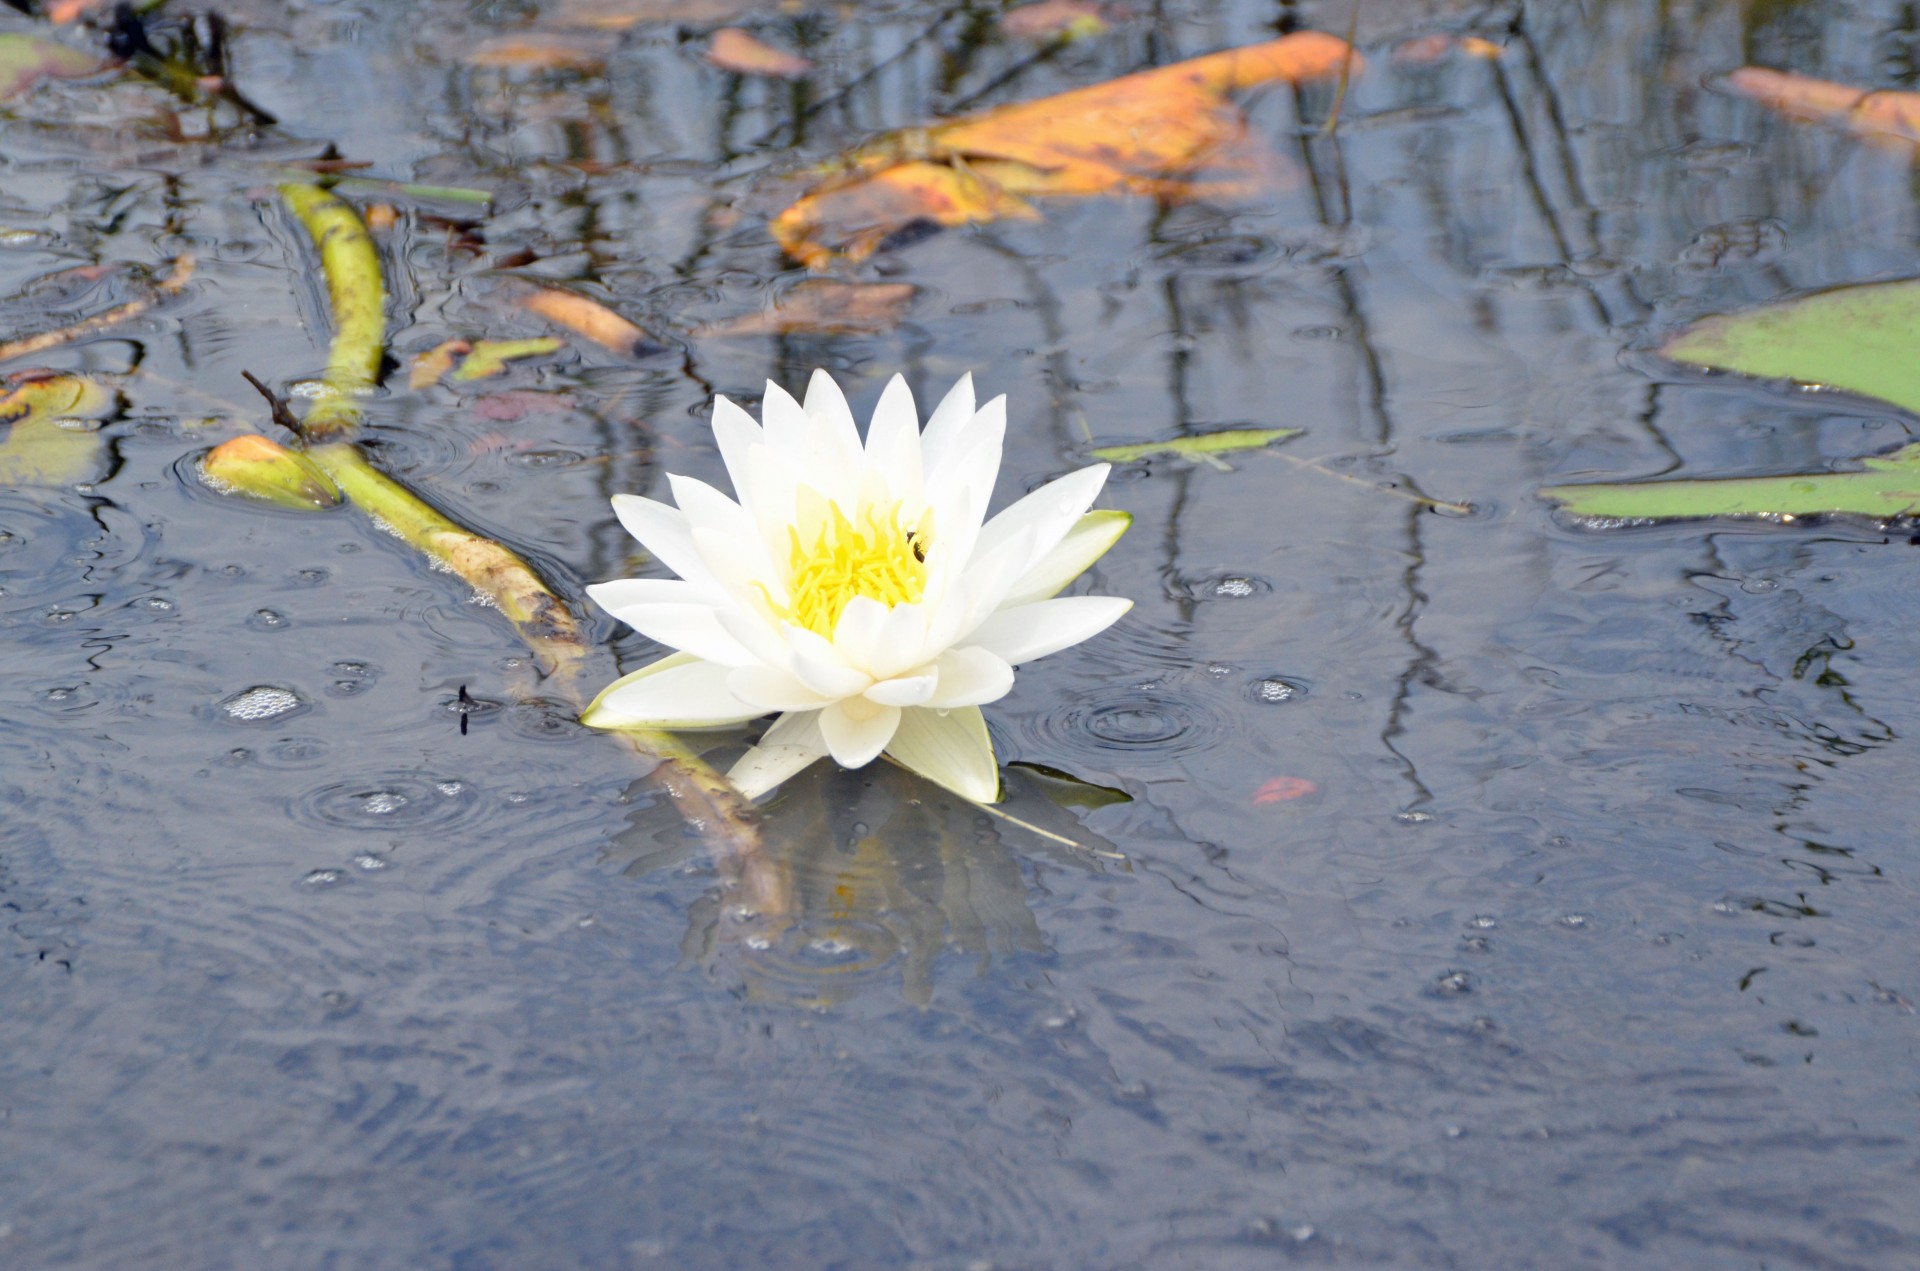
[64, 11]
[734, 50]
[822, 305]
[541, 52]
[1150, 133]
[589, 318]
[25, 60]
[1049, 19]
[618, 15]
[1875, 115]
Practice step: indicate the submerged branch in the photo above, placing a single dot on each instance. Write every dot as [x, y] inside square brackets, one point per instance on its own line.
[357, 298]
[175, 280]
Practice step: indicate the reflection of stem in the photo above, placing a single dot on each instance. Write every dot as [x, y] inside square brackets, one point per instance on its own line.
[170, 285]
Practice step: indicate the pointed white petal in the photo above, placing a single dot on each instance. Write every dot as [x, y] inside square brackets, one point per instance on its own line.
[949, 748]
[772, 689]
[857, 731]
[785, 422]
[1033, 631]
[905, 690]
[689, 628]
[968, 677]
[791, 744]
[678, 691]
[663, 531]
[736, 434]
[901, 643]
[619, 593]
[1050, 512]
[833, 439]
[948, 420]
[893, 441]
[1084, 544]
[706, 508]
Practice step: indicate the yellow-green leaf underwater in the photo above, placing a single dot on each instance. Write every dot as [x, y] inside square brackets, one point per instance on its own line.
[50, 428]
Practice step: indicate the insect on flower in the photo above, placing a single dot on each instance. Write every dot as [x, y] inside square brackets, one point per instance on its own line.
[858, 590]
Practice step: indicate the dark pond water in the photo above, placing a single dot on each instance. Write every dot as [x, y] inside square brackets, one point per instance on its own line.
[1591, 946]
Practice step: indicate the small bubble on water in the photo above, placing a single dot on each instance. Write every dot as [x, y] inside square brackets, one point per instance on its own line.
[158, 604]
[1413, 818]
[1575, 921]
[1234, 586]
[323, 877]
[517, 797]
[1454, 1132]
[1271, 690]
[1476, 944]
[382, 802]
[263, 701]
[759, 944]
[59, 694]
[267, 620]
[830, 946]
[312, 576]
[370, 862]
[449, 788]
[1301, 1233]
[1219, 670]
[1453, 983]
[1483, 922]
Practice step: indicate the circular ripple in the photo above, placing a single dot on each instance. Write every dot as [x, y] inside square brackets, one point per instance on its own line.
[1227, 585]
[542, 719]
[387, 801]
[1130, 721]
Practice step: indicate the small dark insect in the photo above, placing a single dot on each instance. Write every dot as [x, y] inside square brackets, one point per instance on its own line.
[919, 549]
[466, 704]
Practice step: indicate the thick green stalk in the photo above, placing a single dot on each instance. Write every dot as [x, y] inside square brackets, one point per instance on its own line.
[357, 295]
[358, 299]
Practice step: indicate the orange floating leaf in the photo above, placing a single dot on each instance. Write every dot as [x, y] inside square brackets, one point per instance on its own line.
[857, 218]
[821, 305]
[734, 50]
[1875, 115]
[1152, 133]
[1281, 789]
[589, 318]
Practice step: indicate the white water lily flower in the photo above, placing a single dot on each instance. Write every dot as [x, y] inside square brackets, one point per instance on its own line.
[859, 590]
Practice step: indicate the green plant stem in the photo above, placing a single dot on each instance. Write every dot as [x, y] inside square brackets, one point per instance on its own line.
[357, 297]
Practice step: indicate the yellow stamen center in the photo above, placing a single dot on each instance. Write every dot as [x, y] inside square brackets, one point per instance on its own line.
[874, 556]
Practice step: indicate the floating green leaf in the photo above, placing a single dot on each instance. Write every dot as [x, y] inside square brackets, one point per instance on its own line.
[25, 60]
[49, 429]
[1200, 448]
[1857, 338]
[1888, 488]
[1070, 791]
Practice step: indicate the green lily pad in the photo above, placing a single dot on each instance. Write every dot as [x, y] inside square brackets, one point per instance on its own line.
[1860, 339]
[1887, 489]
[1200, 448]
[1857, 338]
[49, 429]
[25, 60]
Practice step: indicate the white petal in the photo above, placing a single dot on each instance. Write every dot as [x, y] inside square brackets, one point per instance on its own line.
[857, 731]
[949, 419]
[679, 691]
[972, 464]
[819, 666]
[901, 643]
[1050, 512]
[1084, 544]
[619, 593]
[772, 689]
[1033, 631]
[856, 636]
[785, 422]
[791, 744]
[689, 628]
[736, 434]
[904, 690]
[949, 748]
[893, 441]
[833, 439]
[968, 677]
[663, 531]
[708, 509]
